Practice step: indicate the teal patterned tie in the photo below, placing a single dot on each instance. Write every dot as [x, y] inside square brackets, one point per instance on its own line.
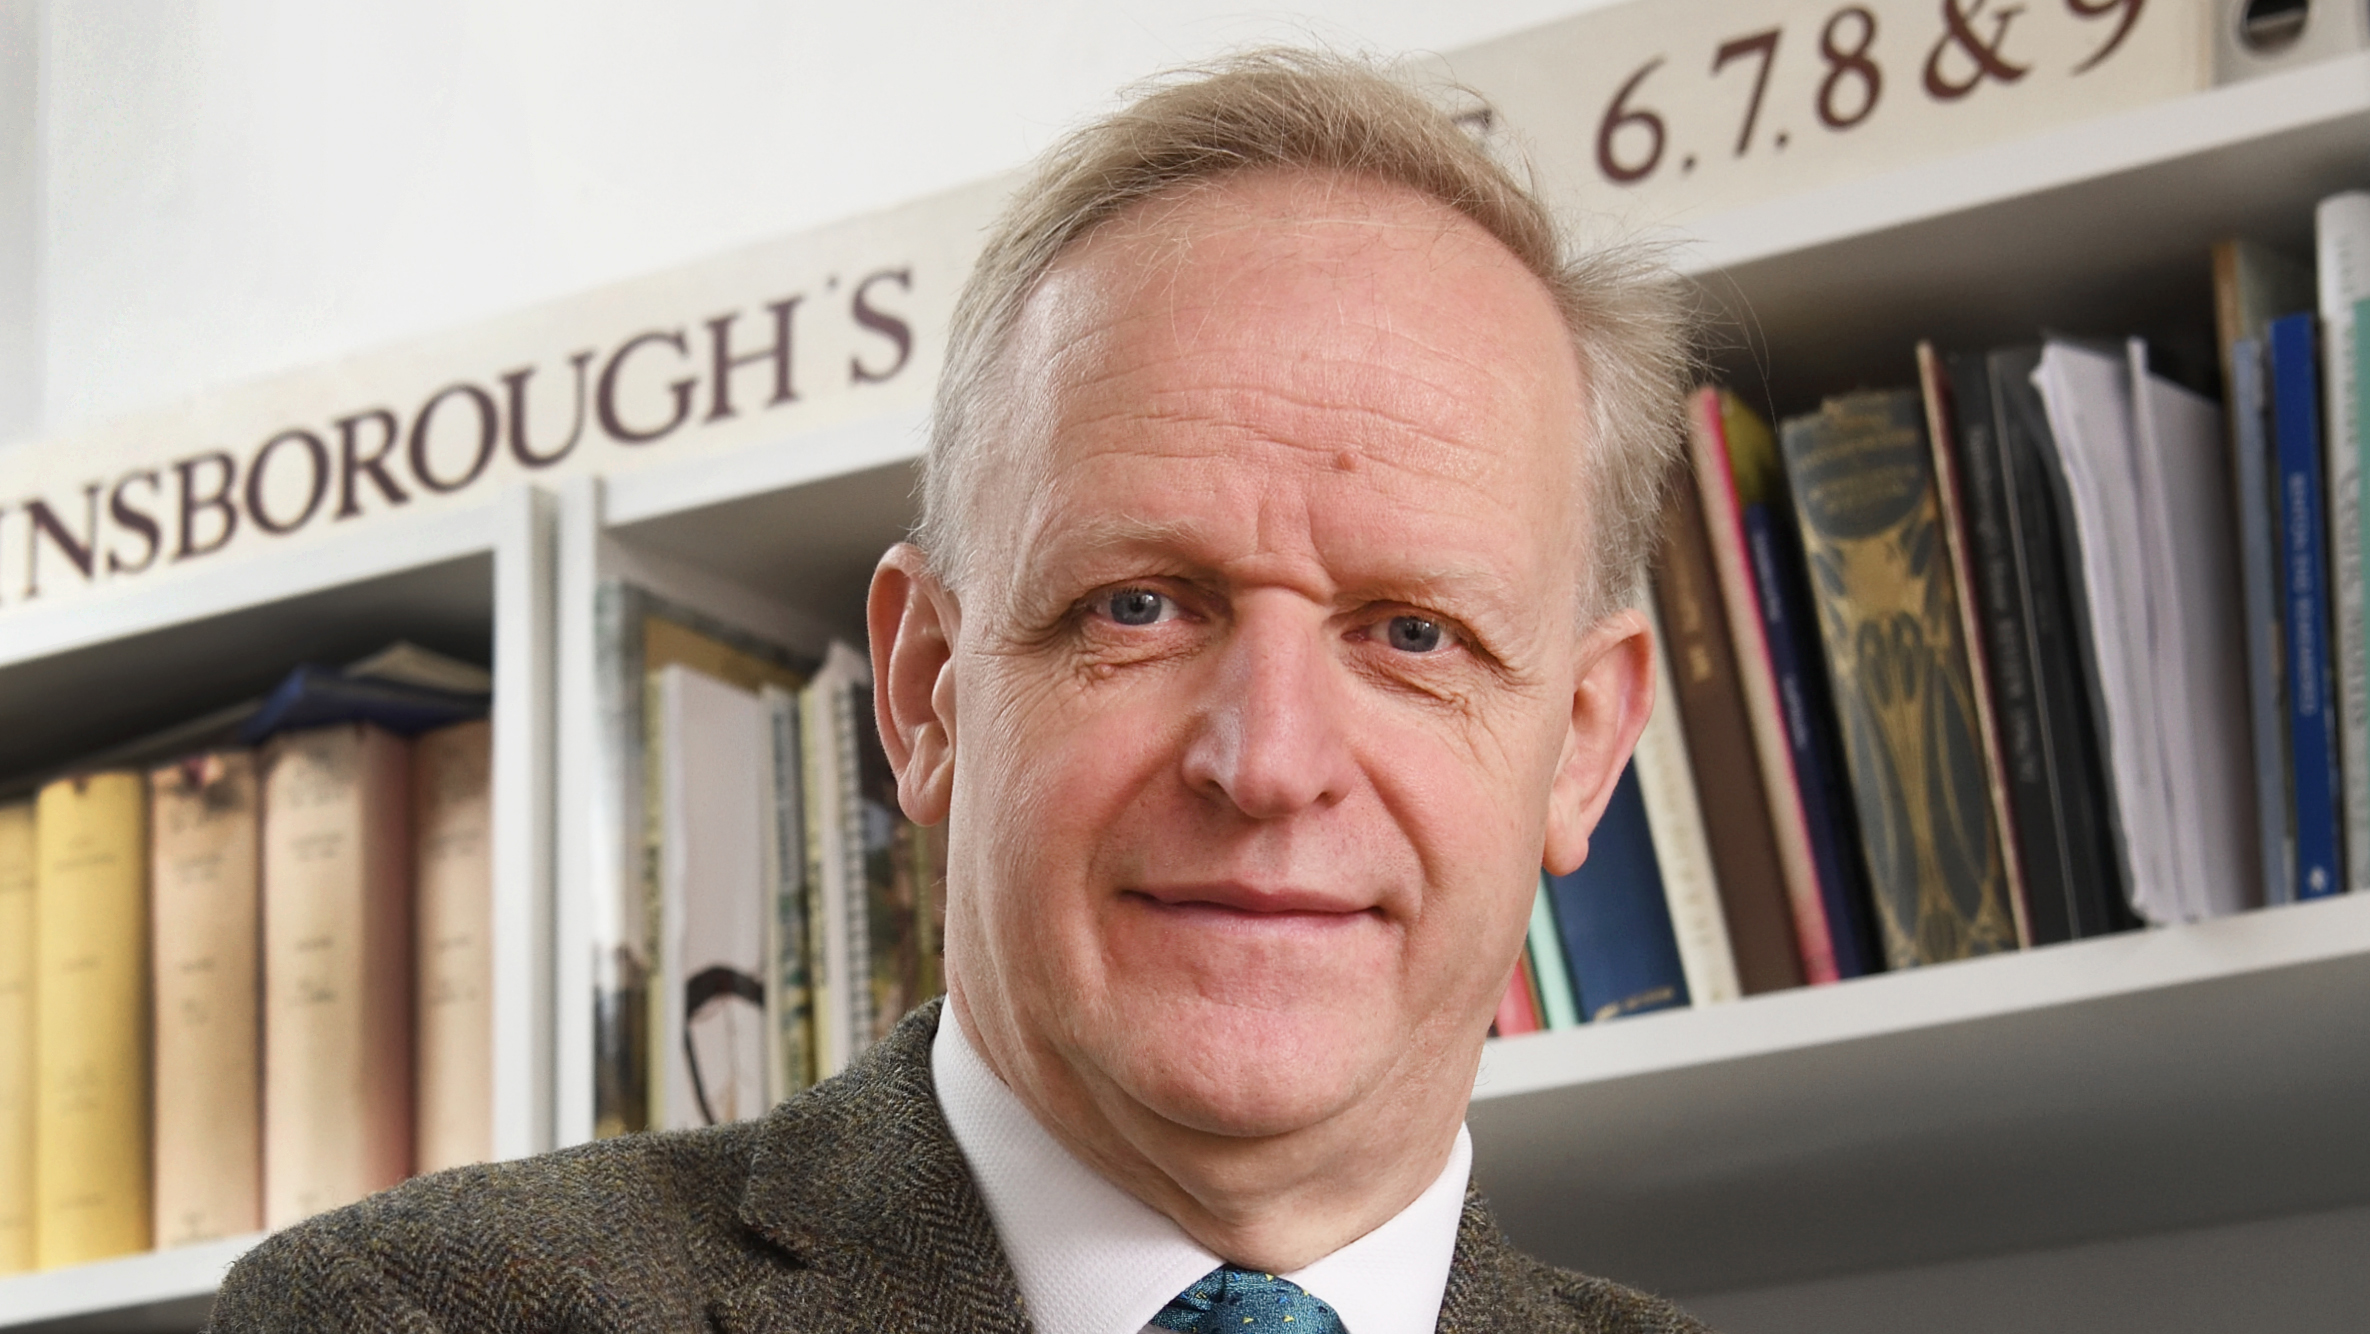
[1228, 1300]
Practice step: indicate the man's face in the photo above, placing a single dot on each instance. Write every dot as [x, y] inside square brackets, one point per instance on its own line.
[1268, 655]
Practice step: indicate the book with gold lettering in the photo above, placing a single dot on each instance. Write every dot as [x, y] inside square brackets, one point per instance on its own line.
[205, 872]
[16, 1036]
[453, 846]
[337, 956]
[90, 1004]
[1866, 501]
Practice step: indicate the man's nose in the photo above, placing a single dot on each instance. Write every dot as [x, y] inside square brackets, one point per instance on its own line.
[1271, 736]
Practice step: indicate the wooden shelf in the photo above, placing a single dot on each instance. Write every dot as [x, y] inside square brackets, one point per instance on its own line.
[2135, 1083]
[160, 1291]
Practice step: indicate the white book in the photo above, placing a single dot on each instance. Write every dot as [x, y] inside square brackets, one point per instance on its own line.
[2201, 665]
[2087, 395]
[1682, 850]
[713, 780]
[2341, 231]
[834, 858]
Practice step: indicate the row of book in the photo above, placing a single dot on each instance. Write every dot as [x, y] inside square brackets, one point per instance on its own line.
[2048, 646]
[244, 967]
[778, 913]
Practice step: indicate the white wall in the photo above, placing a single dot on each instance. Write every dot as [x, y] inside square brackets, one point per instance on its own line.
[229, 189]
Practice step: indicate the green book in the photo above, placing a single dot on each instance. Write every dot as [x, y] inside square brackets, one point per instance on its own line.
[1871, 513]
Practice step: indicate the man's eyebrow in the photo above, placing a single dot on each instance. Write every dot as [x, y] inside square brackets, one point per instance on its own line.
[1124, 534]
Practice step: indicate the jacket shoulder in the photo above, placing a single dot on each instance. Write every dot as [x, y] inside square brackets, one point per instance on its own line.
[1579, 1302]
[624, 1229]
[1492, 1287]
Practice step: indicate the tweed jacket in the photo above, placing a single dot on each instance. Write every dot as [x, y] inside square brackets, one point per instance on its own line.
[846, 1210]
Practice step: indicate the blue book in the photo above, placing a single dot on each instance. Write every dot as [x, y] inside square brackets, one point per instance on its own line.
[1616, 928]
[2304, 547]
[2258, 570]
[312, 696]
[1811, 736]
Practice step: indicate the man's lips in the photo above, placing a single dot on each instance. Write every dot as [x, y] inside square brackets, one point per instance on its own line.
[1234, 898]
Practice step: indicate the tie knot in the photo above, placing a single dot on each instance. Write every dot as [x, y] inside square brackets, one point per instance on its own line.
[1228, 1300]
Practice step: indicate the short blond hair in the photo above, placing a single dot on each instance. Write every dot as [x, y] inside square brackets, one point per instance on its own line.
[1316, 112]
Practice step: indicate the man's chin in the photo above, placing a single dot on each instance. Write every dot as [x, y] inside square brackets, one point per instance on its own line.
[1250, 1075]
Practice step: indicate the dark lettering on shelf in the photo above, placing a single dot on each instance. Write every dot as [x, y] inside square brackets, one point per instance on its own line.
[131, 518]
[489, 434]
[514, 384]
[316, 452]
[219, 501]
[723, 363]
[81, 552]
[605, 397]
[889, 326]
[352, 462]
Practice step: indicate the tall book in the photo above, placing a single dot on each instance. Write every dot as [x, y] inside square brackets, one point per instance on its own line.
[1682, 846]
[2341, 242]
[337, 968]
[1712, 417]
[900, 871]
[1865, 499]
[638, 633]
[1616, 930]
[2253, 285]
[839, 940]
[2313, 752]
[90, 1005]
[17, 867]
[2061, 654]
[205, 899]
[453, 906]
[790, 979]
[1720, 749]
[1954, 523]
[712, 767]
[1518, 1008]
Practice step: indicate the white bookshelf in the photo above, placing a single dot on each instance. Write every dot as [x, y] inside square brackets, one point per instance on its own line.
[2045, 1101]
[476, 581]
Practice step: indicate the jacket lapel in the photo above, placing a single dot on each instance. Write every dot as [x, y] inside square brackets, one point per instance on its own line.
[860, 1185]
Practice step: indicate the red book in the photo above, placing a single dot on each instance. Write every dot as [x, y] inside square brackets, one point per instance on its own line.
[1517, 1012]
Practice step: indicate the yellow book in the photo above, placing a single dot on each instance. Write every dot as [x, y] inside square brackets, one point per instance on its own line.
[90, 1002]
[16, 1037]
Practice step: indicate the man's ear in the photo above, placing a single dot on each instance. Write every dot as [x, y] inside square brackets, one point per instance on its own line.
[913, 619]
[1611, 697]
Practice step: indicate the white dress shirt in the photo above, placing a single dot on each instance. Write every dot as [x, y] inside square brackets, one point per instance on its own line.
[1093, 1259]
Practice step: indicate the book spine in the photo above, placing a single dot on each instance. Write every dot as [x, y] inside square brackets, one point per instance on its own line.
[1720, 749]
[2251, 468]
[1865, 500]
[1617, 933]
[90, 1007]
[1682, 847]
[2341, 233]
[1951, 522]
[1558, 1000]
[848, 787]
[2312, 730]
[17, 873]
[789, 993]
[895, 895]
[1810, 733]
[337, 967]
[453, 833]
[2063, 653]
[205, 898]
[1757, 685]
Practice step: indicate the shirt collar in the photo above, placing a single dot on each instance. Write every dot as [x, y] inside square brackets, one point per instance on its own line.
[1093, 1259]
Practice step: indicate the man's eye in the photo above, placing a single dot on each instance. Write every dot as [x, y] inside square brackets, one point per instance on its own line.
[1137, 606]
[1414, 634]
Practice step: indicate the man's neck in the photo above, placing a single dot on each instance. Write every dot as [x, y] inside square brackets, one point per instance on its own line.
[1276, 1203]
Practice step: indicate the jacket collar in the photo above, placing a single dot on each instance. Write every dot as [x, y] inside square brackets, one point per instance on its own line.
[861, 1184]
